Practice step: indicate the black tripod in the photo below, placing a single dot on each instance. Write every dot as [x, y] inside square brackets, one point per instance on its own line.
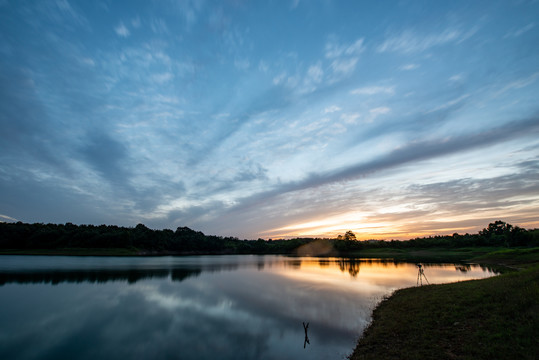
[421, 275]
[305, 327]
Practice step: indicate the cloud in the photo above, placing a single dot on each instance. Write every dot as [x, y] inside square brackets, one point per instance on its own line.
[135, 22]
[163, 78]
[27, 128]
[520, 31]
[411, 42]
[106, 155]
[121, 30]
[8, 218]
[315, 73]
[412, 152]
[456, 78]
[331, 109]
[159, 26]
[449, 104]
[242, 64]
[409, 67]
[518, 84]
[189, 11]
[68, 11]
[380, 110]
[373, 90]
[344, 66]
[344, 57]
[327, 194]
[334, 49]
[263, 66]
[277, 80]
[350, 118]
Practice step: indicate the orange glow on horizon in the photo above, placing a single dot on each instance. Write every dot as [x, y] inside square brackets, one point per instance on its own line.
[335, 226]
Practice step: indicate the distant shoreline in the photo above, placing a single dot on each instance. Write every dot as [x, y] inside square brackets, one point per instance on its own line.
[417, 254]
[104, 252]
[103, 240]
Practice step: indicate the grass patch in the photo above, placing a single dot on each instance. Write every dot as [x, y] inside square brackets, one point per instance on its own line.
[494, 318]
[524, 257]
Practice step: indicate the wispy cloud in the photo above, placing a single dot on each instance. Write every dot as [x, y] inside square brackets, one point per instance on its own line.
[409, 67]
[410, 41]
[518, 84]
[8, 218]
[374, 90]
[159, 26]
[344, 66]
[344, 57]
[412, 152]
[449, 103]
[242, 64]
[315, 73]
[379, 111]
[135, 22]
[122, 30]
[520, 31]
[457, 78]
[334, 49]
[331, 109]
[163, 77]
[66, 9]
[350, 118]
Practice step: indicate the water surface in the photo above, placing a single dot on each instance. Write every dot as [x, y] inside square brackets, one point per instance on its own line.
[197, 307]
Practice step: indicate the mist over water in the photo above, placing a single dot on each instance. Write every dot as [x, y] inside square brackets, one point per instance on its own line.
[200, 307]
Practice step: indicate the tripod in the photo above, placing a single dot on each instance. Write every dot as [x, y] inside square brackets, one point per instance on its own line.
[421, 275]
[306, 327]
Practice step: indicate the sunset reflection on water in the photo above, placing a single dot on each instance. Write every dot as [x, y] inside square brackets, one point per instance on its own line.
[197, 307]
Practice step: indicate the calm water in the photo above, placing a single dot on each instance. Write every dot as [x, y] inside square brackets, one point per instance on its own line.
[200, 307]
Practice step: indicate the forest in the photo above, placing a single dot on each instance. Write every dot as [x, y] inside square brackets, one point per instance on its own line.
[145, 241]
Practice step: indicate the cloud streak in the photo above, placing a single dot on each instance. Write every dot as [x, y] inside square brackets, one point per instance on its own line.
[410, 41]
[412, 153]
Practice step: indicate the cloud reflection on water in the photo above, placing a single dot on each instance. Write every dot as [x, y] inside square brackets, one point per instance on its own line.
[248, 307]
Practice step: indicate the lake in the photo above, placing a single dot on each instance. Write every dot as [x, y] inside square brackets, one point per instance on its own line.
[197, 307]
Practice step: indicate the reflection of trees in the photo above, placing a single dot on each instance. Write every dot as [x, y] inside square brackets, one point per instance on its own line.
[350, 265]
[323, 263]
[493, 269]
[94, 276]
[182, 274]
[464, 268]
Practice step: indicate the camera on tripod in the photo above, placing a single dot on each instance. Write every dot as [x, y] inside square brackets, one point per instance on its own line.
[421, 275]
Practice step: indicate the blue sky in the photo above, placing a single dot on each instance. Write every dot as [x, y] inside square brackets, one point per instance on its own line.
[271, 118]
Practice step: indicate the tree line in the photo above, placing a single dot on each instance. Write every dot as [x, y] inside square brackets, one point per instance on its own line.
[142, 239]
[24, 236]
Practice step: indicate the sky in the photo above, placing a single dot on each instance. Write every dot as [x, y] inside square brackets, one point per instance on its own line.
[271, 119]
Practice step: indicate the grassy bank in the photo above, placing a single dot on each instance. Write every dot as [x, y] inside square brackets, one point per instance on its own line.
[495, 318]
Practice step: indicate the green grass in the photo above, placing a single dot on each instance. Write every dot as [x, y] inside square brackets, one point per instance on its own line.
[511, 257]
[494, 318]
